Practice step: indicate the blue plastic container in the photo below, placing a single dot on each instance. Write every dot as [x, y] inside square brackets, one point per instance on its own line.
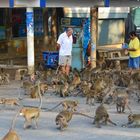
[125, 46]
[50, 59]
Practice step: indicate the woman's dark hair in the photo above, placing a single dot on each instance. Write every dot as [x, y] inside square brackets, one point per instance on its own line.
[133, 33]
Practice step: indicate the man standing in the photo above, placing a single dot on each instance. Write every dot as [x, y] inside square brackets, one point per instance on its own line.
[64, 44]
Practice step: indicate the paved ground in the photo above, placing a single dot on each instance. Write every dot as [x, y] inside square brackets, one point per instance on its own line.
[80, 128]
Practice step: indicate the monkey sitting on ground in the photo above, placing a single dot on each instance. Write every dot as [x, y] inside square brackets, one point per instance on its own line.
[43, 88]
[27, 85]
[76, 80]
[64, 117]
[12, 134]
[64, 90]
[12, 102]
[133, 121]
[30, 113]
[102, 116]
[121, 103]
[34, 90]
[122, 100]
[67, 104]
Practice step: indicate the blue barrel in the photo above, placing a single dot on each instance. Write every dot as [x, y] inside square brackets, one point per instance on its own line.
[50, 59]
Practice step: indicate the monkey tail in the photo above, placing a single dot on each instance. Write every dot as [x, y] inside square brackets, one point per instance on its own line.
[55, 107]
[40, 97]
[82, 114]
[14, 119]
[130, 111]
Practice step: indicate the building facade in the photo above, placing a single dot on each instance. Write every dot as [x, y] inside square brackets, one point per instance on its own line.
[47, 22]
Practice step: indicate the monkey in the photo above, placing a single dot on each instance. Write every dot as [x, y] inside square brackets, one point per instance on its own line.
[64, 117]
[64, 90]
[12, 134]
[30, 113]
[74, 84]
[11, 102]
[27, 85]
[90, 93]
[43, 88]
[1, 100]
[101, 115]
[34, 90]
[6, 78]
[121, 103]
[76, 80]
[57, 88]
[95, 91]
[122, 100]
[133, 121]
[67, 104]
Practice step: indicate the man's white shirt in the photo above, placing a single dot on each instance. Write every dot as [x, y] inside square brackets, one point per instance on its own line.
[65, 44]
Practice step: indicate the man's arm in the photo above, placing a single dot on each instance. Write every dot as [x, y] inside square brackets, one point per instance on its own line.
[57, 47]
[131, 49]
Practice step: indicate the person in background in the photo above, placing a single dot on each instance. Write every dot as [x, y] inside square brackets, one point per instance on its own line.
[134, 52]
[64, 45]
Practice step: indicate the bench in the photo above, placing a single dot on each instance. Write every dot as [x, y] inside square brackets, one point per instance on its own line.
[118, 62]
[121, 58]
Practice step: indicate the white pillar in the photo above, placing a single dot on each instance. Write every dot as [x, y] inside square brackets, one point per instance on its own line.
[94, 35]
[30, 39]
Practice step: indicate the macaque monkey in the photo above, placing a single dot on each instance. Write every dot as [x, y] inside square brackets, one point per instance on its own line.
[12, 134]
[67, 104]
[121, 103]
[27, 85]
[30, 113]
[57, 88]
[64, 90]
[43, 88]
[95, 91]
[6, 78]
[76, 80]
[34, 90]
[122, 100]
[12, 102]
[75, 83]
[99, 85]
[133, 121]
[64, 117]
[101, 116]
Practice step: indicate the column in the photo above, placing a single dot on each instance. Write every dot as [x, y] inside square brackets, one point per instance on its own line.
[30, 39]
[94, 35]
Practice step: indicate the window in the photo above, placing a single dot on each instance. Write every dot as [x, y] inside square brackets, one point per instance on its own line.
[38, 22]
[110, 31]
[19, 22]
[2, 24]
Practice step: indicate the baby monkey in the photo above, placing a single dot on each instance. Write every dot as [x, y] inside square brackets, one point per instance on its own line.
[12, 134]
[64, 117]
[67, 104]
[102, 116]
[133, 121]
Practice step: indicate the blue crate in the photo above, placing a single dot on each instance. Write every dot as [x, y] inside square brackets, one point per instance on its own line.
[50, 59]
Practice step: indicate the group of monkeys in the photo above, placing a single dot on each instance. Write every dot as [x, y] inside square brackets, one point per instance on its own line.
[64, 117]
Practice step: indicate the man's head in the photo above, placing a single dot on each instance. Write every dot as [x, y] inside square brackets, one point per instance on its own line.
[132, 35]
[69, 31]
